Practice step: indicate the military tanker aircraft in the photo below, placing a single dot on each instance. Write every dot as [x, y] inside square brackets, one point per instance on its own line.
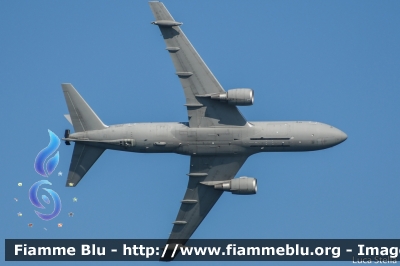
[217, 137]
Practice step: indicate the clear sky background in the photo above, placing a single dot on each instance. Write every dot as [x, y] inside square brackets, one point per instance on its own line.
[336, 62]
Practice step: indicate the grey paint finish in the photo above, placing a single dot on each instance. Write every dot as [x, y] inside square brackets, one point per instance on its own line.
[214, 168]
[83, 157]
[178, 138]
[195, 77]
[81, 115]
[217, 137]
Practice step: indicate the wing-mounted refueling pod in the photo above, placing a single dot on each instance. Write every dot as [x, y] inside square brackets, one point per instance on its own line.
[240, 96]
[243, 185]
[166, 23]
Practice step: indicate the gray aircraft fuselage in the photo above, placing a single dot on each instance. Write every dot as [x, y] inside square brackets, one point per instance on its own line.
[254, 137]
[217, 137]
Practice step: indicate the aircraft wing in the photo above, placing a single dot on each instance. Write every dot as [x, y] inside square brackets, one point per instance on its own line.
[196, 79]
[199, 198]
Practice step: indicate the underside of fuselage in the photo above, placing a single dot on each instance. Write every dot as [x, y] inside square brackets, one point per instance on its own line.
[217, 137]
[277, 136]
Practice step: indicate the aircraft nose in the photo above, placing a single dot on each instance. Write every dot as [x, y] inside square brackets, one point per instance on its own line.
[339, 136]
[343, 136]
[332, 135]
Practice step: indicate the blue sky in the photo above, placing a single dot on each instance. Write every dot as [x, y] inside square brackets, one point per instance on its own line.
[336, 62]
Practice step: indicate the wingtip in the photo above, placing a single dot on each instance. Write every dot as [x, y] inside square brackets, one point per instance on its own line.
[65, 86]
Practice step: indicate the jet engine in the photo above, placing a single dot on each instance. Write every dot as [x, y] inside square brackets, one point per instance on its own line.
[240, 96]
[243, 185]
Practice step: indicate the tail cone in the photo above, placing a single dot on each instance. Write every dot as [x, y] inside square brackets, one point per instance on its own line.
[66, 135]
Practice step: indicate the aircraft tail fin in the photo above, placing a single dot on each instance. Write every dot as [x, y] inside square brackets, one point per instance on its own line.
[83, 118]
[83, 157]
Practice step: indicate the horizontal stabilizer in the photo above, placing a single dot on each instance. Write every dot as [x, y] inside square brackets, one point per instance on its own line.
[83, 118]
[83, 157]
[68, 117]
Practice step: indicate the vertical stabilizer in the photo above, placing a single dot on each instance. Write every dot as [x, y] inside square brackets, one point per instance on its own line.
[83, 118]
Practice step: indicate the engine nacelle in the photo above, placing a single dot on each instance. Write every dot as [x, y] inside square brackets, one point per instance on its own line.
[243, 185]
[236, 96]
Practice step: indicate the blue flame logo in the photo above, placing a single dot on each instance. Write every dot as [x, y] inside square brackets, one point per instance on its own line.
[35, 201]
[45, 153]
[45, 169]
